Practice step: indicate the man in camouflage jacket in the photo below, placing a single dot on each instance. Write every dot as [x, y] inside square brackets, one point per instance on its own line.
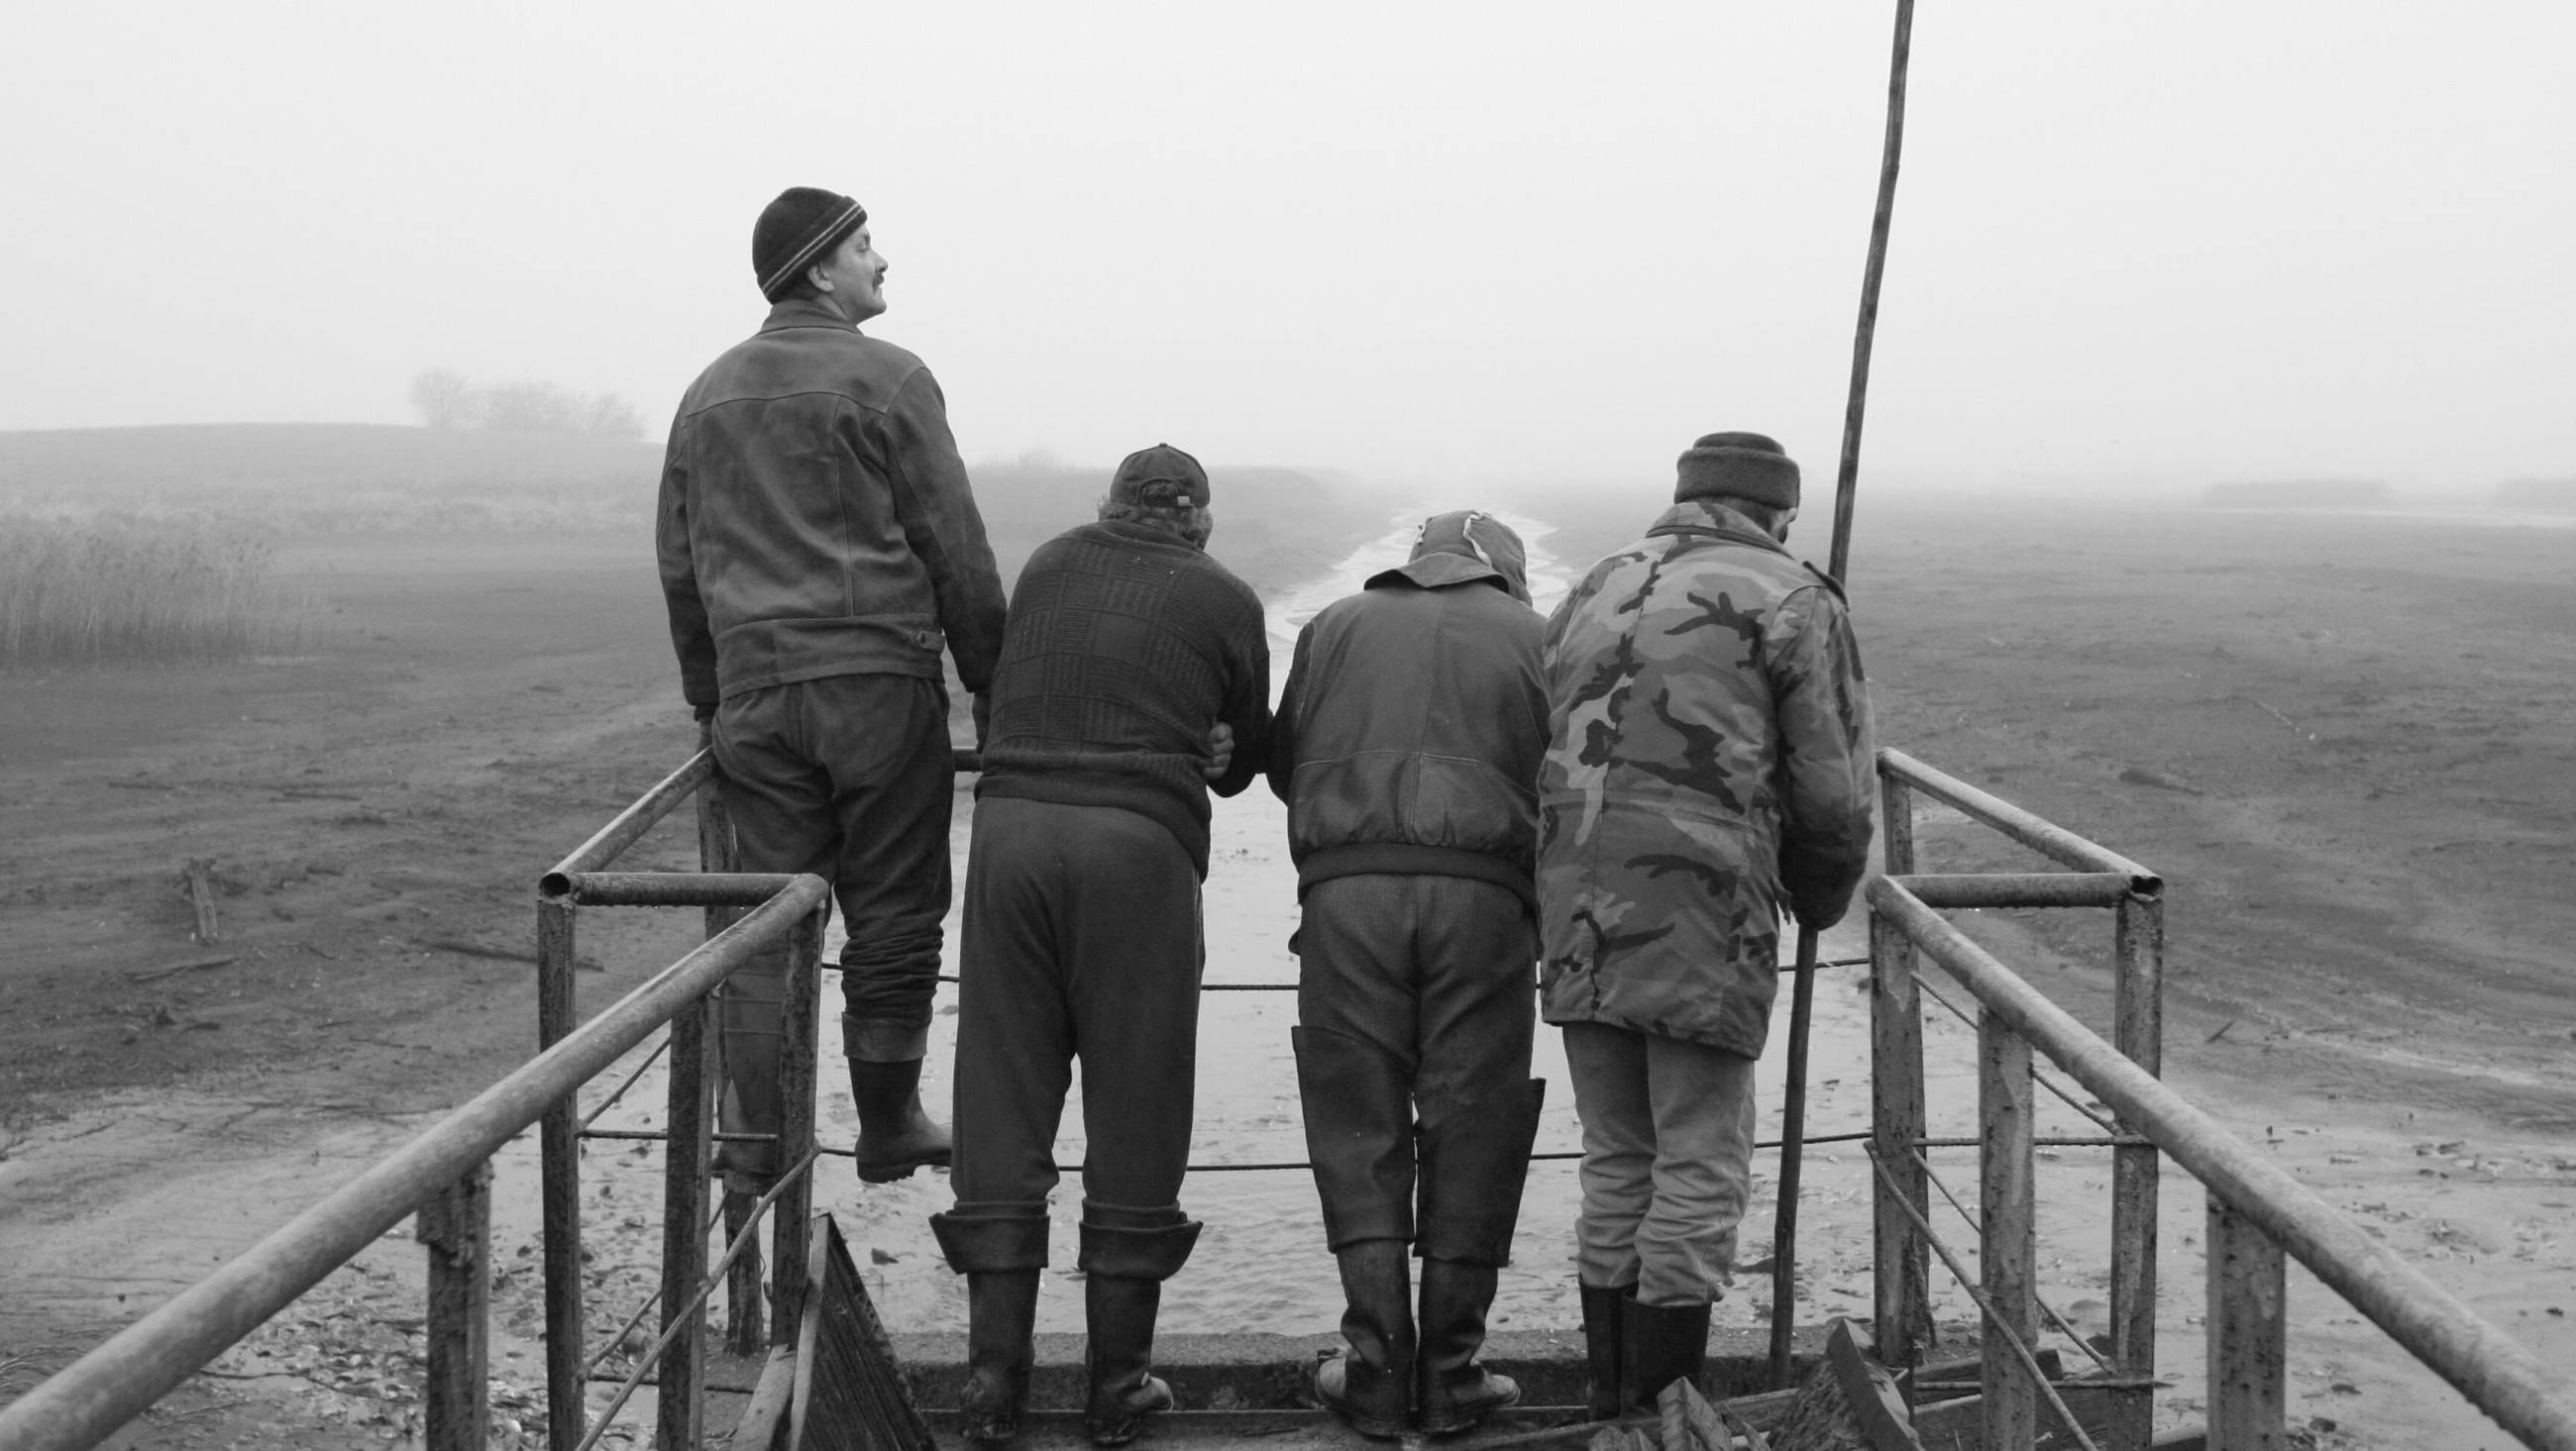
[1709, 763]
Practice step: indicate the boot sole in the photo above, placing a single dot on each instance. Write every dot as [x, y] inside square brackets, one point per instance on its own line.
[891, 1170]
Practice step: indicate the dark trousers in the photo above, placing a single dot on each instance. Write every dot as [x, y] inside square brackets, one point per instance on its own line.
[850, 778]
[1081, 942]
[1416, 1005]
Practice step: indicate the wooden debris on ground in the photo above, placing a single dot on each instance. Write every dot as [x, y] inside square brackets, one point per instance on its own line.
[200, 891]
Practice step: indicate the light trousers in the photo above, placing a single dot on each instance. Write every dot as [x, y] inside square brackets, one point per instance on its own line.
[1667, 1162]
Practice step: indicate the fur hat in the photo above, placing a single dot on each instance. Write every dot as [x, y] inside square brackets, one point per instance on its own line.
[797, 230]
[1738, 466]
[1160, 477]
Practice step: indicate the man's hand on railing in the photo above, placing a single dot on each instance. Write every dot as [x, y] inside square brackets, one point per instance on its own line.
[1220, 743]
[706, 715]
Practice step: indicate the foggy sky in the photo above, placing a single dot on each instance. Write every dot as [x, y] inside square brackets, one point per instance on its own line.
[2175, 242]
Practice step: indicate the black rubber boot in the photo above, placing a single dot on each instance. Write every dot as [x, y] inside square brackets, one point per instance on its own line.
[1127, 1252]
[1658, 1344]
[1601, 1347]
[895, 1135]
[1369, 1382]
[747, 1021]
[1002, 1309]
[1119, 1357]
[1455, 1391]
[1359, 1135]
[999, 1248]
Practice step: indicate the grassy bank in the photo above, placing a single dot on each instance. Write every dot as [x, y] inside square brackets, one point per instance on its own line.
[112, 591]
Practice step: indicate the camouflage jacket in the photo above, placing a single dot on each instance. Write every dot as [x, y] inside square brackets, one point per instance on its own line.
[1709, 754]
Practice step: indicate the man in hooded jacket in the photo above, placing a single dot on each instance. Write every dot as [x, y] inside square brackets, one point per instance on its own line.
[1708, 763]
[1406, 747]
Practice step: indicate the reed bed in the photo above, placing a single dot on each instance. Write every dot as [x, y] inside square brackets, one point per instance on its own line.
[127, 591]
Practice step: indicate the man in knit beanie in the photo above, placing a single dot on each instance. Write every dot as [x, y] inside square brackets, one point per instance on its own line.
[820, 549]
[1709, 767]
[1134, 679]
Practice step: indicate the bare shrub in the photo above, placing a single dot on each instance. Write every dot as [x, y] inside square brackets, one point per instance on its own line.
[444, 399]
[122, 590]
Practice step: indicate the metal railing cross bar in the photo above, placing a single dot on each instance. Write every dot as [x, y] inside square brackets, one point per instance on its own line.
[609, 1346]
[115, 1382]
[2063, 1328]
[620, 1092]
[2495, 1371]
[1995, 1323]
[651, 1359]
[628, 826]
[2040, 835]
[2042, 1079]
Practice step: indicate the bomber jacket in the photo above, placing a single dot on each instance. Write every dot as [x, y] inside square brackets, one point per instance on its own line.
[1409, 735]
[815, 519]
[1708, 761]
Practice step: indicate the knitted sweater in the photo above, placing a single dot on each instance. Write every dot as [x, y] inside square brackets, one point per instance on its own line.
[1123, 647]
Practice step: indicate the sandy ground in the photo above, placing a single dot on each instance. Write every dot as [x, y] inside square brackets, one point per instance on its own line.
[2337, 739]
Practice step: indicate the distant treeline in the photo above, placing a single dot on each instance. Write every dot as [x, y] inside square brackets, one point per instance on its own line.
[446, 399]
[2537, 493]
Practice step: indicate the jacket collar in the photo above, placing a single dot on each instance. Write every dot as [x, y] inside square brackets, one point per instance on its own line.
[1712, 518]
[803, 312]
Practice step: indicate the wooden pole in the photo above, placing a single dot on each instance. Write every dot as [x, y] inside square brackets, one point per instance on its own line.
[1847, 478]
[1793, 1143]
[1793, 1128]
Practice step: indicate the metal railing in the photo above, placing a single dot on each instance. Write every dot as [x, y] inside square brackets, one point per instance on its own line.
[2256, 1210]
[444, 1177]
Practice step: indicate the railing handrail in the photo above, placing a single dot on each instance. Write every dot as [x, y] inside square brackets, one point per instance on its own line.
[2495, 1372]
[629, 825]
[89, 1399]
[2043, 836]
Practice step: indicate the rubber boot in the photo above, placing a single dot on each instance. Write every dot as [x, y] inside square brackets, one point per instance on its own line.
[999, 1248]
[895, 1136]
[1119, 1356]
[1001, 1313]
[1455, 1391]
[1601, 1347]
[1369, 1382]
[1127, 1252]
[1658, 1344]
[1358, 1102]
[747, 1025]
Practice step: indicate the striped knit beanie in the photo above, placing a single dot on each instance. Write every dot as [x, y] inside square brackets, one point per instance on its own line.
[798, 230]
[1738, 466]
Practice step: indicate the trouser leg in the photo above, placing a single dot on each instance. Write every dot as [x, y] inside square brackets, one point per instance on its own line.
[1015, 1041]
[779, 798]
[1479, 1113]
[1127, 927]
[886, 737]
[1608, 1069]
[1702, 1100]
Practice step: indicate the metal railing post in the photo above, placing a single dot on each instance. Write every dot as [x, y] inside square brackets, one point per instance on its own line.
[2008, 1241]
[720, 851]
[2249, 1323]
[2138, 1032]
[1897, 1114]
[678, 1408]
[798, 1013]
[456, 1226]
[558, 1132]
